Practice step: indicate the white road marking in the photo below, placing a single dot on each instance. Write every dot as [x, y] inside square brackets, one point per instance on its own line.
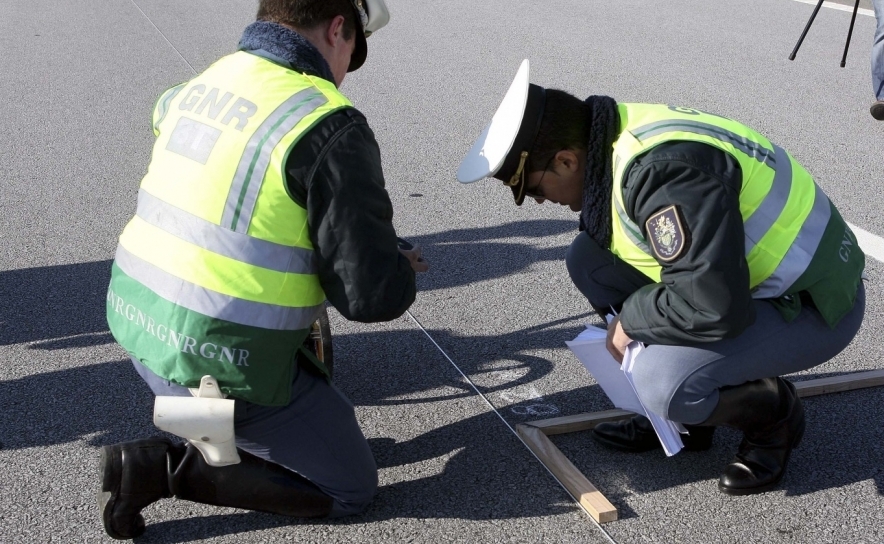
[527, 399]
[871, 244]
[840, 7]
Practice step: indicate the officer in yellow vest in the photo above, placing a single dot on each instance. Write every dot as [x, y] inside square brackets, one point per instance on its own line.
[263, 199]
[710, 243]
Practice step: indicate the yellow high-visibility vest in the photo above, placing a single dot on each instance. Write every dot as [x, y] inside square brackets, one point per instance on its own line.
[785, 214]
[215, 274]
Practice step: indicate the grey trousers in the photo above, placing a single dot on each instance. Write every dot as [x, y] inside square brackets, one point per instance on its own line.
[681, 383]
[878, 51]
[316, 435]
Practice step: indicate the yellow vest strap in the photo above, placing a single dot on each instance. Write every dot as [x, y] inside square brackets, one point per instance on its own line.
[255, 160]
[801, 252]
[632, 231]
[765, 216]
[750, 148]
[162, 107]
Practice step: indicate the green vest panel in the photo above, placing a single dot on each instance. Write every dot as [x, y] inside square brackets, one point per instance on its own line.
[787, 218]
[215, 274]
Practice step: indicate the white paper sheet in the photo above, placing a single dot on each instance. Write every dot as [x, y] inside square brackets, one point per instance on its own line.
[616, 381]
[589, 347]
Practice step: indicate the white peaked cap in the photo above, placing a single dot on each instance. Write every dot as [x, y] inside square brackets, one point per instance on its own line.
[491, 148]
[373, 15]
[378, 16]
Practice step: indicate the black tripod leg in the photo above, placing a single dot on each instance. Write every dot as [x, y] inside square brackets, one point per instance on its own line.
[806, 28]
[849, 34]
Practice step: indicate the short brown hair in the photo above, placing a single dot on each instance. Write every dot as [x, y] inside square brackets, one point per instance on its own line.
[308, 14]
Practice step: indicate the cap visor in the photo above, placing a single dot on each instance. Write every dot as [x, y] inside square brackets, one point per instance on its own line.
[489, 151]
[360, 52]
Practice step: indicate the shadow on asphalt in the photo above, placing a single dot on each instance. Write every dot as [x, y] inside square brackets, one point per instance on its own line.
[468, 468]
[841, 446]
[61, 307]
[50, 304]
[471, 468]
[464, 256]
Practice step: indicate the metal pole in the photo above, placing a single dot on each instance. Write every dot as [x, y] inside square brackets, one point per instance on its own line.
[849, 34]
[806, 28]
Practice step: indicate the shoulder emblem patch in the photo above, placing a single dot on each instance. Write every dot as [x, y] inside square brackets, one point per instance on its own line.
[666, 234]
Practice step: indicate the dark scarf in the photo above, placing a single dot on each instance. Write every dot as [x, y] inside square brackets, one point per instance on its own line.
[604, 126]
[287, 46]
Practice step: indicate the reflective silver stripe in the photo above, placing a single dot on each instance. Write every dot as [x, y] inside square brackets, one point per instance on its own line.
[163, 104]
[256, 158]
[207, 235]
[753, 149]
[633, 232]
[212, 303]
[765, 216]
[801, 251]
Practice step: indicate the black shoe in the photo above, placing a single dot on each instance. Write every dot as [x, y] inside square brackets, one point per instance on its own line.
[133, 475]
[637, 435]
[136, 474]
[771, 417]
[761, 461]
[877, 110]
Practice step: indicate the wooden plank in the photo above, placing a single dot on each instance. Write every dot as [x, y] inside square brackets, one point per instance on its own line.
[807, 388]
[574, 481]
[837, 384]
[578, 422]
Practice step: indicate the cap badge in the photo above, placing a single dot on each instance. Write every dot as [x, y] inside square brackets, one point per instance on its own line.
[363, 16]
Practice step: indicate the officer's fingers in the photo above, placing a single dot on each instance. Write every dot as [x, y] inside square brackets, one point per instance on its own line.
[612, 348]
[410, 254]
[420, 266]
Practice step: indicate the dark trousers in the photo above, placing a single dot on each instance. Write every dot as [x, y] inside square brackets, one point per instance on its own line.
[681, 382]
[605, 279]
[315, 435]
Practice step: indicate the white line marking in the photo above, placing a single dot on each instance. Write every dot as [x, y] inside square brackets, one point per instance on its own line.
[192, 69]
[839, 7]
[508, 426]
[871, 244]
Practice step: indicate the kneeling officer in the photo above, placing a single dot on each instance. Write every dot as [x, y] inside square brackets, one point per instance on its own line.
[712, 244]
[264, 197]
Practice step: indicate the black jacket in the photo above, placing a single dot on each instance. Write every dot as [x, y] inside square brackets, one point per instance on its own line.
[334, 171]
[704, 294]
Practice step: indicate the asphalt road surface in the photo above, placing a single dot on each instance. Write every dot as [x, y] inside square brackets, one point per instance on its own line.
[79, 79]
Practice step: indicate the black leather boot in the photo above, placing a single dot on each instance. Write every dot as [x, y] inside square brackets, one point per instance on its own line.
[252, 484]
[133, 475]
[637, 435]
[771, 416]
[136, 474]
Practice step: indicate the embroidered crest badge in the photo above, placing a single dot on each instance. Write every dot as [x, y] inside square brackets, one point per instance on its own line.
[666, 234]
